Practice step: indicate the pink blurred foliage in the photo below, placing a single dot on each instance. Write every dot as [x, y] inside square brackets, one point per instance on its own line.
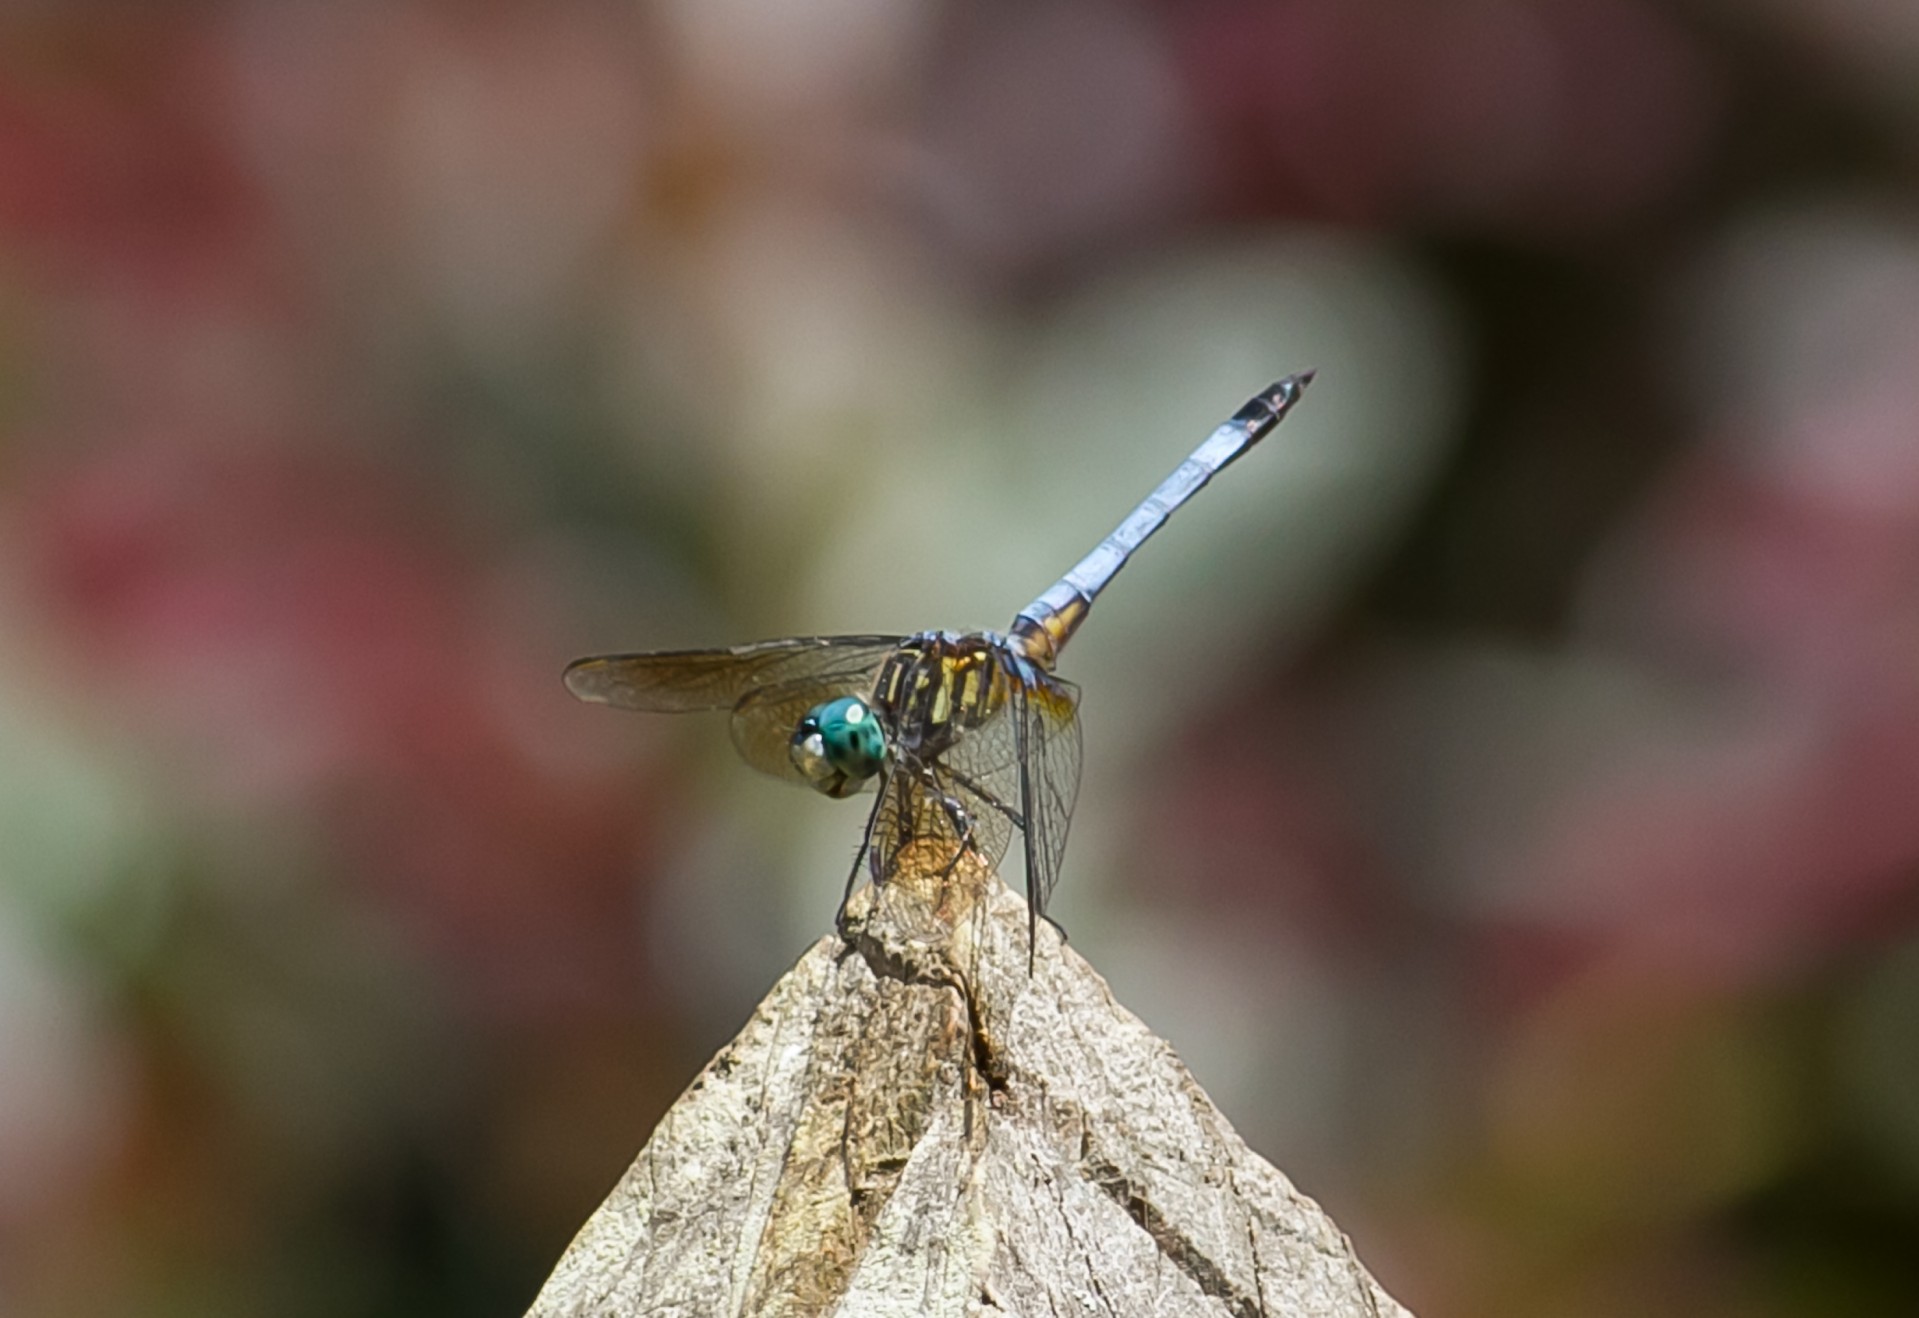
[298, 630]
[298, 625]
[1266, 821]
[1537, 116]
[1789, 834]
[112, 169]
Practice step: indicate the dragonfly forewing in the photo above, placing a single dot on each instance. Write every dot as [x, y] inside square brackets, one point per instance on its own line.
[679, 681]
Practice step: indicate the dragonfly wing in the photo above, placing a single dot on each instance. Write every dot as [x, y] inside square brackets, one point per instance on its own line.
[903, 814]
[674, 681]
[940, 812]
[990, 820]
[983, 765]
[1047, 714]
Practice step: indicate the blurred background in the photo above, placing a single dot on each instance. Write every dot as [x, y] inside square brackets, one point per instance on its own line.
[1502, 787]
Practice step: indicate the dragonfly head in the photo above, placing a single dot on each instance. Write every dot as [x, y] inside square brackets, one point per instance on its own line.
[838, 746]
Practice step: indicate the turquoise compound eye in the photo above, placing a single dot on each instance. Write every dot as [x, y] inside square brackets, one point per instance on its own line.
[839, 745]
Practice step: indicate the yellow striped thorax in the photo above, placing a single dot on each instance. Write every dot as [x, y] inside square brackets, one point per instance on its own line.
[939, 685]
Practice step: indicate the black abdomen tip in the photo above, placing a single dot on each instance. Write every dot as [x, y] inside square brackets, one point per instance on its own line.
[1271, 403]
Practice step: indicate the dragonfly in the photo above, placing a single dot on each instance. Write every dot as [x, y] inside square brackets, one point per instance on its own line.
[965, 737]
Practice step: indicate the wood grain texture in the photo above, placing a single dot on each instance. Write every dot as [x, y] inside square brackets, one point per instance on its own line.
[910, 1125]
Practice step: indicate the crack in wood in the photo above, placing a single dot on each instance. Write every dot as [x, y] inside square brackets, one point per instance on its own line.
[1203, 1271]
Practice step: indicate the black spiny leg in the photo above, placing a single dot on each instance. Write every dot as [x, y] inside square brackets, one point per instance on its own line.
[962, 821]
[865, 850]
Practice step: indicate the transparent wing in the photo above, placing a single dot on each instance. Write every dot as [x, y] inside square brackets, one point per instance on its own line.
[899, 816]
[985, 763]
[1047, 714]
[933, 811]
[674, 681]
[991, 824]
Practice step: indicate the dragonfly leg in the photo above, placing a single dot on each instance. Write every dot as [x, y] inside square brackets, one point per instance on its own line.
[1000, 807]
[962, 821]
[864, 853]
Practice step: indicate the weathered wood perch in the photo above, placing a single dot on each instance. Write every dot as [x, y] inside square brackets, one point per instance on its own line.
[910, 1125]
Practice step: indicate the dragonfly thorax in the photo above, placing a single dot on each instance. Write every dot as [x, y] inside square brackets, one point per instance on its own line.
[838, 746]
[939, 686]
